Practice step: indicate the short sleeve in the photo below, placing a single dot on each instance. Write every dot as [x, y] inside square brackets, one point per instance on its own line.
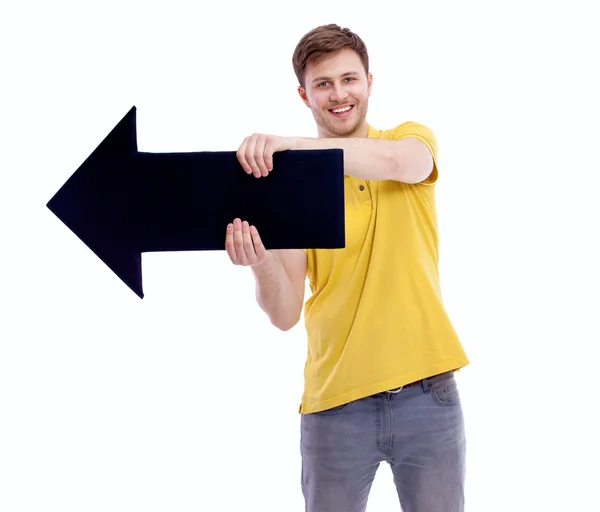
[425, 135]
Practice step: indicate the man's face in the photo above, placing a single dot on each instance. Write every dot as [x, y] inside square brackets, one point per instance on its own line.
[338, 82]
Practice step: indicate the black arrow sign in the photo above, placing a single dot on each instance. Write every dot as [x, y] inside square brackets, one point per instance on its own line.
[121, 202]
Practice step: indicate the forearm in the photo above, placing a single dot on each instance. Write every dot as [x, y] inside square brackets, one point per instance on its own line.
[276, 295]
[364, 158]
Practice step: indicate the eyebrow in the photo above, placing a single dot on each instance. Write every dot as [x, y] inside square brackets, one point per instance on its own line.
[323, 78]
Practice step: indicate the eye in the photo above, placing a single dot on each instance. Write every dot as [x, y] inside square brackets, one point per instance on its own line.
[350, 78]
[322, 84]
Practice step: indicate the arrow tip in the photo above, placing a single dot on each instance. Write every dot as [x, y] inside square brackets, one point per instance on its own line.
[93, 203]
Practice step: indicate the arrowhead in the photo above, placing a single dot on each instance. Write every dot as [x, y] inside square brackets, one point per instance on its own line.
[93, 203]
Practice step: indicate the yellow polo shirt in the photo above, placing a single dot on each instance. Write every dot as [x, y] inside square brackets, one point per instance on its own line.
[375, 320]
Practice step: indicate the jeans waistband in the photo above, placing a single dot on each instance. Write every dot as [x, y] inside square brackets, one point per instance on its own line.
[423, 382]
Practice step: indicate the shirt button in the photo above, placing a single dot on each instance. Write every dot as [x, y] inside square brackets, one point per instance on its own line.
[362, 187]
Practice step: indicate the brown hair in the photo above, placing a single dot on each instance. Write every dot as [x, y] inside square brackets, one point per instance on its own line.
[323, 41]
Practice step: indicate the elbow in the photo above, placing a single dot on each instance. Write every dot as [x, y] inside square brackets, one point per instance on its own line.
[285, 324]
[411, 174]
[413, 167]
[282, 313]
[287, 321]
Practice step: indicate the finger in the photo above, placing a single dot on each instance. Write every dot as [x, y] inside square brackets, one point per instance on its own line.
[248, 245]
[259, 248]
[229, 246]
[259, 155]
[250, 148]
[268, 156]
[241, 156]
[238, 243]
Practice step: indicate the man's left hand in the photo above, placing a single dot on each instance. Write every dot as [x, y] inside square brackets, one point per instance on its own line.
[256, 152]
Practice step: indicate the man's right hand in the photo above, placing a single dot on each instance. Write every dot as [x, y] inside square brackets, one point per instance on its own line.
[244, 246]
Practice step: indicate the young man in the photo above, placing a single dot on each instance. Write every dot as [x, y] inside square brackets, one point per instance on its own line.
[379, 375]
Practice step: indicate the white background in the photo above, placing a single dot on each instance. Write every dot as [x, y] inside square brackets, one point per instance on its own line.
[187, 400]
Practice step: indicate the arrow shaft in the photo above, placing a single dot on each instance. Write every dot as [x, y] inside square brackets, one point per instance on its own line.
[177, 199]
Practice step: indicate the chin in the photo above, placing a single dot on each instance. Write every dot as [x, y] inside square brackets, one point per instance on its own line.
[343, 131]
[336, 129]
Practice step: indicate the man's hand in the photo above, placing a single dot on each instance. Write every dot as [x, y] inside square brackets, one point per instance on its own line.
[244, 245]
[256, 152]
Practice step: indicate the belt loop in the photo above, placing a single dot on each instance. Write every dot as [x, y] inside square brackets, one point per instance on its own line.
[425, 383]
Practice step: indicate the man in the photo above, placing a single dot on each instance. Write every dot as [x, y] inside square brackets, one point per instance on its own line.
[379, 375]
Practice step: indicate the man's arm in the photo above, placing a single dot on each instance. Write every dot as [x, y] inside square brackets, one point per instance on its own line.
[408, 160]
[280, 284]
[280, 274]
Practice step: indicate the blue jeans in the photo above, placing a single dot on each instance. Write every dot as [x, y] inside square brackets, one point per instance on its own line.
[418, 430]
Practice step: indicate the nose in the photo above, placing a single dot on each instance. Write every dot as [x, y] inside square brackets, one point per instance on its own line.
[338, 94]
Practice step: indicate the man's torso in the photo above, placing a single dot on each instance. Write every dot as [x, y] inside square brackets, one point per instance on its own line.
[375, 319]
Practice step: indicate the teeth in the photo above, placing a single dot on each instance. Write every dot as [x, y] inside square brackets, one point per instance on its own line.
[340, 110]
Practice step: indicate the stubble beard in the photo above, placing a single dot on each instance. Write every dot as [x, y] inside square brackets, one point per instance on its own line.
[329, 125]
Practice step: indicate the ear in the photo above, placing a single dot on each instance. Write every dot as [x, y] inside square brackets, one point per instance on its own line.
[302, 93]
[370, 82]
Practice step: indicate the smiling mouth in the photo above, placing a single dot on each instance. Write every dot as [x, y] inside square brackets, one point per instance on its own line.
[342, 111]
